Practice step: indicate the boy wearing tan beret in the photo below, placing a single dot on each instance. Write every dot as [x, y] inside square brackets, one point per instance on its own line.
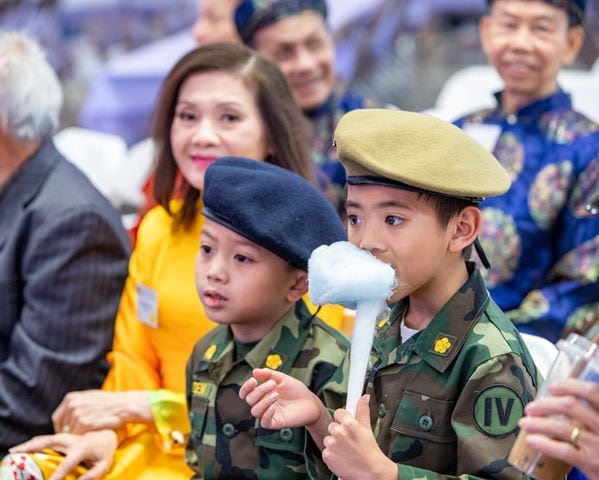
[450, 374]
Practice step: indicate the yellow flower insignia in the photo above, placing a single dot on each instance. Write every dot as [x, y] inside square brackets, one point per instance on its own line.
[208, 354]
[443, 344]
[274, 361]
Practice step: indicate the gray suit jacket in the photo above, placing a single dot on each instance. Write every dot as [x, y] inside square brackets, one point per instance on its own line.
[63, 263]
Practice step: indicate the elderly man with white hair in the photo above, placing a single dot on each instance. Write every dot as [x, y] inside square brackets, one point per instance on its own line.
[63, 254]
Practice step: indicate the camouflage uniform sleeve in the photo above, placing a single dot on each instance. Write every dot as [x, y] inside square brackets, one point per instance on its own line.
[485, 420]
[332, 394]
[191, 456]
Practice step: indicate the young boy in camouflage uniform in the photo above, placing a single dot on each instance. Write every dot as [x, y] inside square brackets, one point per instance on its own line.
[251, 276]
[450, 374]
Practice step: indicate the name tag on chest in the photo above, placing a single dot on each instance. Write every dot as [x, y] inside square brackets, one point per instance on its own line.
[147, 305]
[201, 389]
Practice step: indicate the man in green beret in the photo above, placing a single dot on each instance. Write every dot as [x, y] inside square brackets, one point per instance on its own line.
[450, 375]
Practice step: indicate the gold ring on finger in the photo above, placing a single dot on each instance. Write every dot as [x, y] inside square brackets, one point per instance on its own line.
[574, 434]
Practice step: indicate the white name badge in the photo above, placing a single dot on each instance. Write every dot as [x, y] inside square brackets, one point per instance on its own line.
[147, 305]
[486, 135]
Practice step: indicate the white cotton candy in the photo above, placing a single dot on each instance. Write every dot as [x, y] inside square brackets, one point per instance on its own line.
[342, 273]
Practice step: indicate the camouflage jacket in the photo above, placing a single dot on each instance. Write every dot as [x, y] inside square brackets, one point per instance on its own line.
[226, 441]
[447, 401]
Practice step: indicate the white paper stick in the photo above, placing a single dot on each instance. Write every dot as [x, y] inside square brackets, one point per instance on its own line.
[342, 273]
[367, 312]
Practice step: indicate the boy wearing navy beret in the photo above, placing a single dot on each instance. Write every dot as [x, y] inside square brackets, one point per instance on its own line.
[450, 375]
[262, 223]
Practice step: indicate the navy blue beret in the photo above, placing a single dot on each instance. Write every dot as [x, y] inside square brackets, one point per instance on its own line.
[574, 8]
[271, 206]
[252, 15]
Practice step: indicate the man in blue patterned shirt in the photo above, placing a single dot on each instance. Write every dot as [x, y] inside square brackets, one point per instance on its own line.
[542, 242]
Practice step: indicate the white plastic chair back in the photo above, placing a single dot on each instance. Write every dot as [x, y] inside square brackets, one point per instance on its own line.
[472, 88]
[542, 350]
[98, 155]
[135, 173]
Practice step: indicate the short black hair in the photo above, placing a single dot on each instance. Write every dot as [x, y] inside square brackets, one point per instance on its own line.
[574, 9]
[446, 208]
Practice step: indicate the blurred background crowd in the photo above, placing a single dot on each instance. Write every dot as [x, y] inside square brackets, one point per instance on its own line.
[398, 51]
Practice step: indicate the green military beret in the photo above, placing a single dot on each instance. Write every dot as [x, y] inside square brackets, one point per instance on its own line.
[417, 152]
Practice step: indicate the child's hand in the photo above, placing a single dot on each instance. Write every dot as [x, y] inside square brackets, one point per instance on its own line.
[351, 451]
[280, 401]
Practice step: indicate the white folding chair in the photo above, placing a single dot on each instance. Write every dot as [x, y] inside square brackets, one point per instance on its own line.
[542, 350]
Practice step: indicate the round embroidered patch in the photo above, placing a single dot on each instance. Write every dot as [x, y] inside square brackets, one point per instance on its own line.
[497, 410]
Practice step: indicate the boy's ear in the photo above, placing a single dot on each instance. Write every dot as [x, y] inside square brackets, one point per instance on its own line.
[575, 40]
[299, 287]
[467, 225]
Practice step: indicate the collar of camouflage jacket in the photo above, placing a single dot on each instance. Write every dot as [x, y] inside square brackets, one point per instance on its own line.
[441, 341]
[277, 350]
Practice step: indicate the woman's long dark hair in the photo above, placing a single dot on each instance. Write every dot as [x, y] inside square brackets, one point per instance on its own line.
[286, 127]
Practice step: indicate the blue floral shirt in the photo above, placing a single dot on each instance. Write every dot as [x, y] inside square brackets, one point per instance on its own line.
[542, 243]
[323, 121]
[576, 475]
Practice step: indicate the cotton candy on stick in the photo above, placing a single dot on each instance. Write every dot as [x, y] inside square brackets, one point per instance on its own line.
[344, 274]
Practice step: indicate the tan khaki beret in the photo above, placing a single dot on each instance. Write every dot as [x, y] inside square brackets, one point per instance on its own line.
[419, 151]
